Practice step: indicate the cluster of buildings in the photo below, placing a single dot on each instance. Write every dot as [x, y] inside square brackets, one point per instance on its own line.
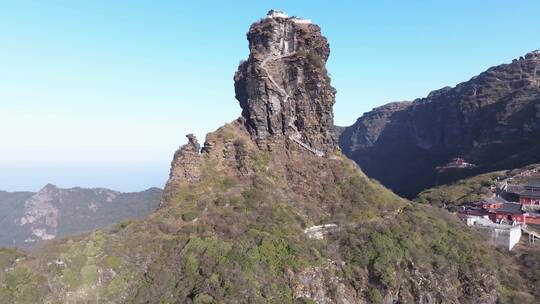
[505, 216]
[526, 210]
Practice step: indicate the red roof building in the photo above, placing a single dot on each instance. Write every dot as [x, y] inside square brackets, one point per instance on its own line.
[455, 163]
[526, 211]
[531, 193]
[500, 210]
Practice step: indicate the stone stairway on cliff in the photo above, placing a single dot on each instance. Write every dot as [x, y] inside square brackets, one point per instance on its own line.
[297, 136]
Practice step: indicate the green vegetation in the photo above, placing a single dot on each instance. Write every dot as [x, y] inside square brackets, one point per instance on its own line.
[271, 245]
[461, 192]
[231, 238]
[528, 259]
[374, 295]
[82, 259]
[17, 282]
[515, 269]
[419, 239]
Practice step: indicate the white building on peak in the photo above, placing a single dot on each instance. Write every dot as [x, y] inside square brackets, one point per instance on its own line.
[280, 14]
[300, 20]
[276, 14]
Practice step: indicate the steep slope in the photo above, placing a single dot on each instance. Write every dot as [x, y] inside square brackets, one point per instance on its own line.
[492, 120]
[10, 201]
[526, 256]
[270, 211]
[27, 219]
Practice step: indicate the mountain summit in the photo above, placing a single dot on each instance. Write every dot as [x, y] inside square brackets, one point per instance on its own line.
[285, 94]
[283, 88]
[268, 210]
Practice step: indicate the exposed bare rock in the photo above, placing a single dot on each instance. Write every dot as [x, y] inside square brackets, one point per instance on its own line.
[283, 88]
[492, 120]
[318, 231]
[322, 285]
[186, 163]
[224, 150]
[285, 94]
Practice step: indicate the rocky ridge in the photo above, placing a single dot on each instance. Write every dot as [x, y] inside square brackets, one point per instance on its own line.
[234, 222]
[285, 94]
[492, 120]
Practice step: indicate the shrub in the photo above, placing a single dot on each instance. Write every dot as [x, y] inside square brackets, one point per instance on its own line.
[203, 298]
[374, 296]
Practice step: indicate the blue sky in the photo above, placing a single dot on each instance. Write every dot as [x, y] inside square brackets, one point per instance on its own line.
[116, 84]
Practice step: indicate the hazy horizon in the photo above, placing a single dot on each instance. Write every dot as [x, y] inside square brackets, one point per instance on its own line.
[104, 88]
[129, 176]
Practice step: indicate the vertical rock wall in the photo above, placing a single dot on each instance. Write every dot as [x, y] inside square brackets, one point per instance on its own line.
[283, 88]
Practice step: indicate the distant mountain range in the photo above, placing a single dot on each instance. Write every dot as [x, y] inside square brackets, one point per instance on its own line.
[492, 121]
[28, 218]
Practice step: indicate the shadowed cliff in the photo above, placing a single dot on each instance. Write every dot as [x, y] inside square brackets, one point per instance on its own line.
[492, 120]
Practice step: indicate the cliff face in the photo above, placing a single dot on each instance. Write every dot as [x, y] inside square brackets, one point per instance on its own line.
[285, 94]
[283, 87]
[492, 120]
[270, 211]
[185, 166]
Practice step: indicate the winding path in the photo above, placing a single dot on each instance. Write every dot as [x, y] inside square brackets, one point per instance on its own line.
[297, 136]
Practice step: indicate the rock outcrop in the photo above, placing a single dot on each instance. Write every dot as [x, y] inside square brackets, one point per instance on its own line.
[492, 121]
[285, 94]
[186, 163]
[283, 88]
